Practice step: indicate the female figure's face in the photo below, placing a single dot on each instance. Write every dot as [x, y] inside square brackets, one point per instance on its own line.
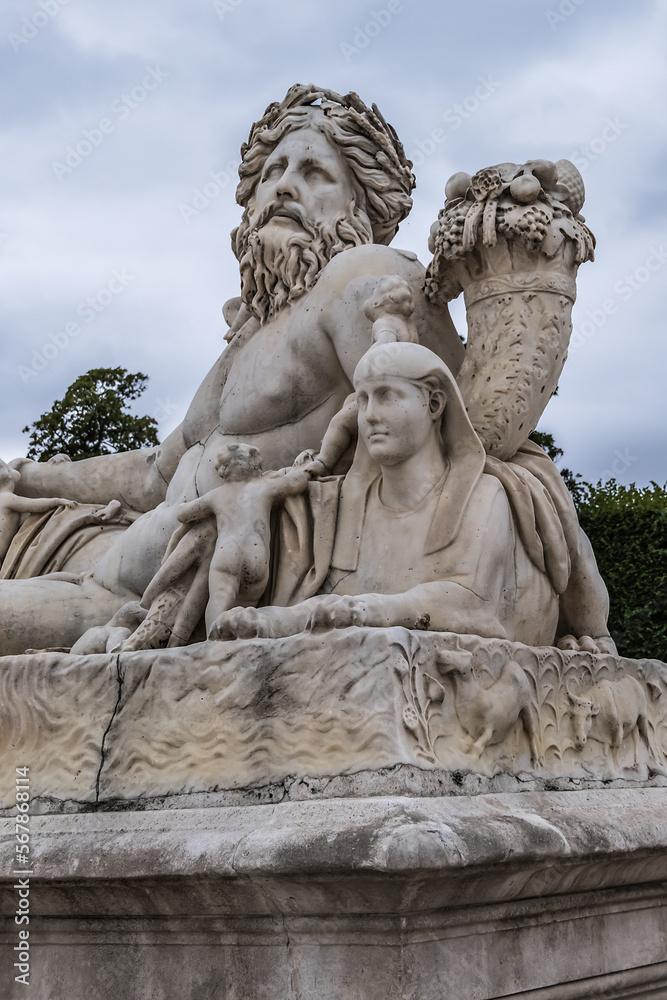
[397, 419]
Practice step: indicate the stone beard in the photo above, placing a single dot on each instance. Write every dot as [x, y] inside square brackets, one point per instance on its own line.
[276, 270]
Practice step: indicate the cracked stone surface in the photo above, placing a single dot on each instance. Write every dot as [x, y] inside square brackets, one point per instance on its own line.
[350, 712]
[55, 712]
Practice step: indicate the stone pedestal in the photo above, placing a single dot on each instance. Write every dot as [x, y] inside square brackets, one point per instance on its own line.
[557, 894]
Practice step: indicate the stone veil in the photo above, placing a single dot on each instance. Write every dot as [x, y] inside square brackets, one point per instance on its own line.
[523, 549]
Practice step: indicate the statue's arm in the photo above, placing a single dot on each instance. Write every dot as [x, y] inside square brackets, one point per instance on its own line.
[450, 607]
[442, 606]
[139, 479]
[195, 510]
[339, 434]
[289, 484]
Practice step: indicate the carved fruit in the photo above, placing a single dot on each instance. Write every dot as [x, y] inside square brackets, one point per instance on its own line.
[545, 171]
[508, 171]
[525, 189]
[457, 185]
[571, 180]
[410, 718]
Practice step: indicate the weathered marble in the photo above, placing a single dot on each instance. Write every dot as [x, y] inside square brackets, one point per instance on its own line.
[406, 626]
[512, 239]
[374, 899]
[261, 715]
[492, 543]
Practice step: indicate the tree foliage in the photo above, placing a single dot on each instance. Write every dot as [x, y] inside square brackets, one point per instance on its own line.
[547, 442]
[627, 526]
[93, 418]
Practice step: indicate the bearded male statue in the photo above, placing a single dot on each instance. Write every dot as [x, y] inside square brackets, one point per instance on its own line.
[324, 184]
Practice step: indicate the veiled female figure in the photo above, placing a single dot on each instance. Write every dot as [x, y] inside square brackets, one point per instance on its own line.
[417, 534]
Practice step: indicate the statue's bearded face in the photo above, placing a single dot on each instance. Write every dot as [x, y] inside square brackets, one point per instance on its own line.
[305, 176]
[305, 209]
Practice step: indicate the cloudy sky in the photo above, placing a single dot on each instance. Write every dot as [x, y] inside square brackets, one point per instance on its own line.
[119, 254]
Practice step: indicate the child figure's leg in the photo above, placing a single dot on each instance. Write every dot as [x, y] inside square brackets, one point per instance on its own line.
[190, 610]
[178, 560]
[223, 588]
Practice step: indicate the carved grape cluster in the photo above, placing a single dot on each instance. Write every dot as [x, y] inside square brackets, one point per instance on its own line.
[449, 238]
[531, 224]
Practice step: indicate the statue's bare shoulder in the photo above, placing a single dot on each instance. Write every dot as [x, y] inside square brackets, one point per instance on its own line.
[348, 280]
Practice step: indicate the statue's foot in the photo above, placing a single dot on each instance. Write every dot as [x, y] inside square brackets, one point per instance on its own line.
[111, 512]
[116, 638]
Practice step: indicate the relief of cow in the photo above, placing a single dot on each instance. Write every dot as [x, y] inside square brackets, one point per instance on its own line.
[611, 710]
[489, 714]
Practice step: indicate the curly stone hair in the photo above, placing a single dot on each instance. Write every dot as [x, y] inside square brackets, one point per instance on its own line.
[382, 174]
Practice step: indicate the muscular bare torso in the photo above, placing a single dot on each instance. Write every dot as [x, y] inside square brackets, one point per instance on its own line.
[277, 389]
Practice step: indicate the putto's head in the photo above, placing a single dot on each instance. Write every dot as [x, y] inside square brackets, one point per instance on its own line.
[319, 173]
[239, 461]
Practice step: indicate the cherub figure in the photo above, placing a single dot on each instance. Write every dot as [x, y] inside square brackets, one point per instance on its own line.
[390, 308]
[12, 506]
[238, 572]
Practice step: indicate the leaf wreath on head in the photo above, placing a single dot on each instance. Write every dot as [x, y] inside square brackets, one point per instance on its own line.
[368, 142]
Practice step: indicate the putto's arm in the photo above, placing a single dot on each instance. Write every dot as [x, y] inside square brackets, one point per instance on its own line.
[194, 510]
[139, 479]
[339, 434]
[294, 481]
[27, 505]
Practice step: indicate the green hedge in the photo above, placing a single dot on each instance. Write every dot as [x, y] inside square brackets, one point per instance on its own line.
[627, 526]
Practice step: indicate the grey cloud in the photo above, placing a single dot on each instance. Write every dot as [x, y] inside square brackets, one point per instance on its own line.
[120, 206]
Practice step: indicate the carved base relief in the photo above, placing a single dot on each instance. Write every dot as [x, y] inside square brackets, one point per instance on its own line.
[245, 714]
